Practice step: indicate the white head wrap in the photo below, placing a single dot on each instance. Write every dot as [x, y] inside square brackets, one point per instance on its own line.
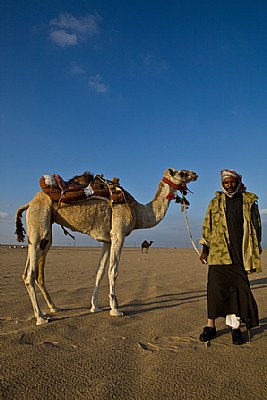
[229, 173]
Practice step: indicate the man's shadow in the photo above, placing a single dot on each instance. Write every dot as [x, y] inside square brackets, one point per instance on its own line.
[254, 332]
[262, 282]
[261, 328]
[256, 284]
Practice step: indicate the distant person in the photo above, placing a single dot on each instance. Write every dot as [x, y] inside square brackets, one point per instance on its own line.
[231, 236]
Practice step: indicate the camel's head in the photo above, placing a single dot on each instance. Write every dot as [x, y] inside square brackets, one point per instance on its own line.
[181, 176]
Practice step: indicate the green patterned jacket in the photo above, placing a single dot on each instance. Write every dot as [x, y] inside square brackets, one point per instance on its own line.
[215, 233]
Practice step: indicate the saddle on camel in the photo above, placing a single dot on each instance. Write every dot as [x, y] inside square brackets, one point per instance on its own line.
[82, 187]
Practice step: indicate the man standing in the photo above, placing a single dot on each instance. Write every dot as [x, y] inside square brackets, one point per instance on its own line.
[231, 236]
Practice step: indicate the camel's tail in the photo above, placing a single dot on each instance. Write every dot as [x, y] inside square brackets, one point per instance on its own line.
[20, 231]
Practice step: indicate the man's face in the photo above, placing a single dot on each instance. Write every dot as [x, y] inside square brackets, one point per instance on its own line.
[230, 184]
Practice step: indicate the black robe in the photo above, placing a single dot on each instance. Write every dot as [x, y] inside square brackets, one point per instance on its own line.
[228, 290]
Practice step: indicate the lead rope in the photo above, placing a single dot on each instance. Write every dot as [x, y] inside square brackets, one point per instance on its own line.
[188, 229]
[184, 207]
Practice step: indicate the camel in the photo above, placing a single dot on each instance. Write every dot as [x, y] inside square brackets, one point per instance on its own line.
[103, 221]
[146, 245]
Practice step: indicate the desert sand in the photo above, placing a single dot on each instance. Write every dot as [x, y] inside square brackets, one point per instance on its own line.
[152, 352]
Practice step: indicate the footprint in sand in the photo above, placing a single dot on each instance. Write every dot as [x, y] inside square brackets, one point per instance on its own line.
[26, 338]
[53, 344]
[176, 343]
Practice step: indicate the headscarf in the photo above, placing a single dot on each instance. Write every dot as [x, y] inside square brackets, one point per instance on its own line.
[229, 173]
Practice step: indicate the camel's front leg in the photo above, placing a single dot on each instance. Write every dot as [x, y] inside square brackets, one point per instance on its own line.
[99, 275]
[115, 254]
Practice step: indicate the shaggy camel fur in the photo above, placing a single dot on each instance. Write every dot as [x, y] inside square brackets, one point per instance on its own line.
[103, 221]
[145, 245]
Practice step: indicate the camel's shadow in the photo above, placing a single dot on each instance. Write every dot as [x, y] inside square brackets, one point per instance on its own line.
[136, 307]
[254, 333]
[55, 318]
[163, 301]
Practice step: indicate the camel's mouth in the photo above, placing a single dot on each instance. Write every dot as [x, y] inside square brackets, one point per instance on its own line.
[192, 176]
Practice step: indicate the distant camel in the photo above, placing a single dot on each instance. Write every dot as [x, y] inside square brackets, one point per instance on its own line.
[146, 245]
[104, 221]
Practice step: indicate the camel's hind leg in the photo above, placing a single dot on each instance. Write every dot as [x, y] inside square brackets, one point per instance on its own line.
[39, 226]
[29, 277]
[99, 275]
[115, 253]
[40, 279]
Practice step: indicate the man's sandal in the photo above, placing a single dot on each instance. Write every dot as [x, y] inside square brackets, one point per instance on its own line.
[207, 334]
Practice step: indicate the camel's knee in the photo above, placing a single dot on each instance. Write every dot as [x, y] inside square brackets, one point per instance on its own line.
[24, 274]
[29, 281]
[29, 278]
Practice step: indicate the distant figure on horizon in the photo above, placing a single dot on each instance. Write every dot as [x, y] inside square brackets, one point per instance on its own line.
[145, 245]
[231, 236]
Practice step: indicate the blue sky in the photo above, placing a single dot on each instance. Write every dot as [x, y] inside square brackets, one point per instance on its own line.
[128, 89]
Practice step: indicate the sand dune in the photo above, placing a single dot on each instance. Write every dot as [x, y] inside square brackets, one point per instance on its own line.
[151, 353]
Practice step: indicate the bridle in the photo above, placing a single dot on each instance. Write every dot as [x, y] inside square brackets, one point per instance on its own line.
[181, 187]
[184, 204]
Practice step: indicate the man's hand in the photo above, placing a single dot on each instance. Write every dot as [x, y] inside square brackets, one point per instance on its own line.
[203, 258]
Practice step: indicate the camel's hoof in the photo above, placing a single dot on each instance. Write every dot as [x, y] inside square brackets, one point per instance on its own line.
[55, 309]
[95, 309]
[43, 320]
[116, 313]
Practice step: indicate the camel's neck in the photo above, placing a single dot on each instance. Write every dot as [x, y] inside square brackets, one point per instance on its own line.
[152, 213]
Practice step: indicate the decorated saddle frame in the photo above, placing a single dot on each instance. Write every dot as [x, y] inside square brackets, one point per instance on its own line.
[83, 187]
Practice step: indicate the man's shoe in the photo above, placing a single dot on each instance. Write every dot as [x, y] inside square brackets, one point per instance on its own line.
[207, 334]
[237, 337]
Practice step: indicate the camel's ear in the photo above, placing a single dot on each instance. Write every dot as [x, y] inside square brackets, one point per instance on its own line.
[171, 171]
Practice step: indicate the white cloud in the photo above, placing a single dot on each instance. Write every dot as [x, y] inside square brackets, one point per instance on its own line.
[85, 25]
[149, 59]
[96, 83]
[154, 63]
[4, 215]
[263, 211]
[63, 39]
[76, 69]
[67, 30]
